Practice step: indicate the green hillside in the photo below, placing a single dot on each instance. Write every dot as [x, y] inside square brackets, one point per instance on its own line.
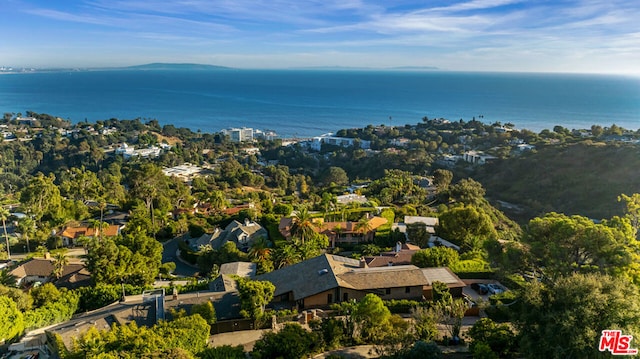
[584, 178]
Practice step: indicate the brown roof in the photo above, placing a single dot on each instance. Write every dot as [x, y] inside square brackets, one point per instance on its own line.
[383, 277]
[42, 268]
[395, 258]
[76, 232]
[330, 227]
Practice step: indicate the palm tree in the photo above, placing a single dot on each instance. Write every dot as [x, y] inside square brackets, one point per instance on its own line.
[4, 215]
[26, 227]
[99, 227]
[337, 233]
[285, 256]
[7, 279]
[302, 225]
[60, 260]
[363, 226]
[260, 249]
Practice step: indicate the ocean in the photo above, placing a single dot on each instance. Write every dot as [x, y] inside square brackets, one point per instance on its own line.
[303, 103]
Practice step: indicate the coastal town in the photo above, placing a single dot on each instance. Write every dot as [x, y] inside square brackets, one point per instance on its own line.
[382, 240]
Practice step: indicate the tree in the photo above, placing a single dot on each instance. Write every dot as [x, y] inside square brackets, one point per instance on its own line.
[418, 234]
[435, 257]
[302, 226]
[7, 279]
[254, 296]
[498, 337]
[11, 321]
[452, 313]
[633, 209]
[564, 245]
[223, 352]
[41, 197]
[569, 314]
[467, 191]
[60, 261]
[286, 255]
[147, 182]
[442, 179]
[260, 250]
[466, 226]
[44, 294]
[27, 228]
[336, 176]
[370, 315]
[425, 323]
[292, 342]
[4, 215]
[206, 311]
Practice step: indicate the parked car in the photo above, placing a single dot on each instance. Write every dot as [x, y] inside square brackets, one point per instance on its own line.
[495, 288]
[480, 288]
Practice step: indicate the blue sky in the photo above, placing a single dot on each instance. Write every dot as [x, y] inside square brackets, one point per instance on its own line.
[593, 36]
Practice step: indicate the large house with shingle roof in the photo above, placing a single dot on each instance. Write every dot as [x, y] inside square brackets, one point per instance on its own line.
[321, 281]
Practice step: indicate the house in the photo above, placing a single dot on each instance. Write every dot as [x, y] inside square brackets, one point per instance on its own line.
[70, 235]
[41, 270]
[339, 232]
[241, 269]
[351, 198]
[477, 157]
[242, 234]
[401, 255]
[316, 142]
[129, 152]
[321, 281]
[430, 223]
[444, 275]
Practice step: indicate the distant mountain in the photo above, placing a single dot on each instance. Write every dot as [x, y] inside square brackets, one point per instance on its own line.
[415, 68]
[349, 68]
[175, 66]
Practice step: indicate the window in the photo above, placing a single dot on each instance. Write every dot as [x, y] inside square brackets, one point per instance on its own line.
[345, 297]
[387, 291]
[329, 298]
[407, 289]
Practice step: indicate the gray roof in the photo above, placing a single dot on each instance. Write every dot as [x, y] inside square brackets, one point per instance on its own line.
[310, 277]
[442, 274]
[242, 269]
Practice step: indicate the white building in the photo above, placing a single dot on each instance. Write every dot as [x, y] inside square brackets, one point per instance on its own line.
[239, 134]
[478, 158]
[127, 152]
[316, 142]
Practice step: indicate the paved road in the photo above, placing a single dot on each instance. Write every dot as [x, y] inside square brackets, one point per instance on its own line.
[169, 254]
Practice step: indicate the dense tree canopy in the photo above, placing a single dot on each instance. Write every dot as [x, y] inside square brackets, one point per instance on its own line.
[565, 318]
[566, 244]
[467, 226]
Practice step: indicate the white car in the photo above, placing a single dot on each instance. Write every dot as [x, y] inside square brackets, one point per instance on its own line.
[495, 288]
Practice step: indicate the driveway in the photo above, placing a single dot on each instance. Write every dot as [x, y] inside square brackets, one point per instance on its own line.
[170, 254]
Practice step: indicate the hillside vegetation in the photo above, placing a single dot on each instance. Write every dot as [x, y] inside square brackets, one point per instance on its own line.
[585, 178]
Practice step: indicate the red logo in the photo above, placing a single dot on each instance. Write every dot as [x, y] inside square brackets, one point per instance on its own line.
[616, 343]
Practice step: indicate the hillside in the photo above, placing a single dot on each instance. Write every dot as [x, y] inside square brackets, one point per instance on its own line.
[584, 178]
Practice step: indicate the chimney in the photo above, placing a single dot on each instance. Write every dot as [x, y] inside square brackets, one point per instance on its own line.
[363, 263]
